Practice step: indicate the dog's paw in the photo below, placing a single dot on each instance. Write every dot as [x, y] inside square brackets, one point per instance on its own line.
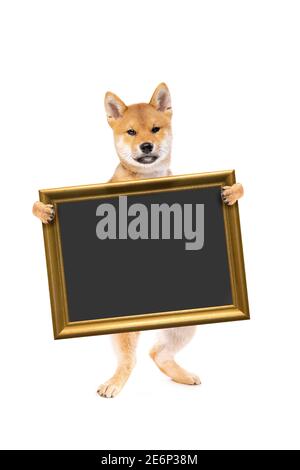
[196, 379]
[187, 378]
[173, 370]
[230, 194]
[109, 389]
[45, 212]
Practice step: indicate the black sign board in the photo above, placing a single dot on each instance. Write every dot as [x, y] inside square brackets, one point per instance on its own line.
[144, 254]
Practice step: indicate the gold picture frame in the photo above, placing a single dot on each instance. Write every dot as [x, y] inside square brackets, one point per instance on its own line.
[239, 310]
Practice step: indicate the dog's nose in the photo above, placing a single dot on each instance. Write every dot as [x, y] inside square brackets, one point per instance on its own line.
[146, 147]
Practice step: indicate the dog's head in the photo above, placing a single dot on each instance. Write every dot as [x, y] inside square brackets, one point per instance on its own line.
[142, 132]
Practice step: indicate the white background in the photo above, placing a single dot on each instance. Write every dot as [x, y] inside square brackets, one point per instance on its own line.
[233, 71]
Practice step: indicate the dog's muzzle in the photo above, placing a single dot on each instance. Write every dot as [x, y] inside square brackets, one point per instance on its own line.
[146, 159]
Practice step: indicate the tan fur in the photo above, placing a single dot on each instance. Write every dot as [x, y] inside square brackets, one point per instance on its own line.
[171, 341]
[125, 347]
[142, 118]
[45, 212]
[231, 194]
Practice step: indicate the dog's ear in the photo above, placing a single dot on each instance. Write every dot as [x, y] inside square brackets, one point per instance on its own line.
[161, 99]
[114, 107]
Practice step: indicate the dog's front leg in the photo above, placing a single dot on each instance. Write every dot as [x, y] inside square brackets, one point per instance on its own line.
[230, 194]
[44, 212]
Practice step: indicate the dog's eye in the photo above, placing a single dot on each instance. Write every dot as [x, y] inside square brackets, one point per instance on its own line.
[131, 132]
[155, 130]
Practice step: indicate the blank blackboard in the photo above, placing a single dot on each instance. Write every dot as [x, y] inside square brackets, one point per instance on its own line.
[129, 277]
[102, 284]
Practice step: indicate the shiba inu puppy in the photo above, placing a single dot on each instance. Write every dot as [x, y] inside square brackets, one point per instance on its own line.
[143, 137]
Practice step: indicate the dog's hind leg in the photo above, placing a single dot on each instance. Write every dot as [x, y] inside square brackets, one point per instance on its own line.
[125, 346]
[171, 341]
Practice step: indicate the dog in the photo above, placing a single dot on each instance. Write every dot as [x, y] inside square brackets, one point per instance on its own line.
[143, 139]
